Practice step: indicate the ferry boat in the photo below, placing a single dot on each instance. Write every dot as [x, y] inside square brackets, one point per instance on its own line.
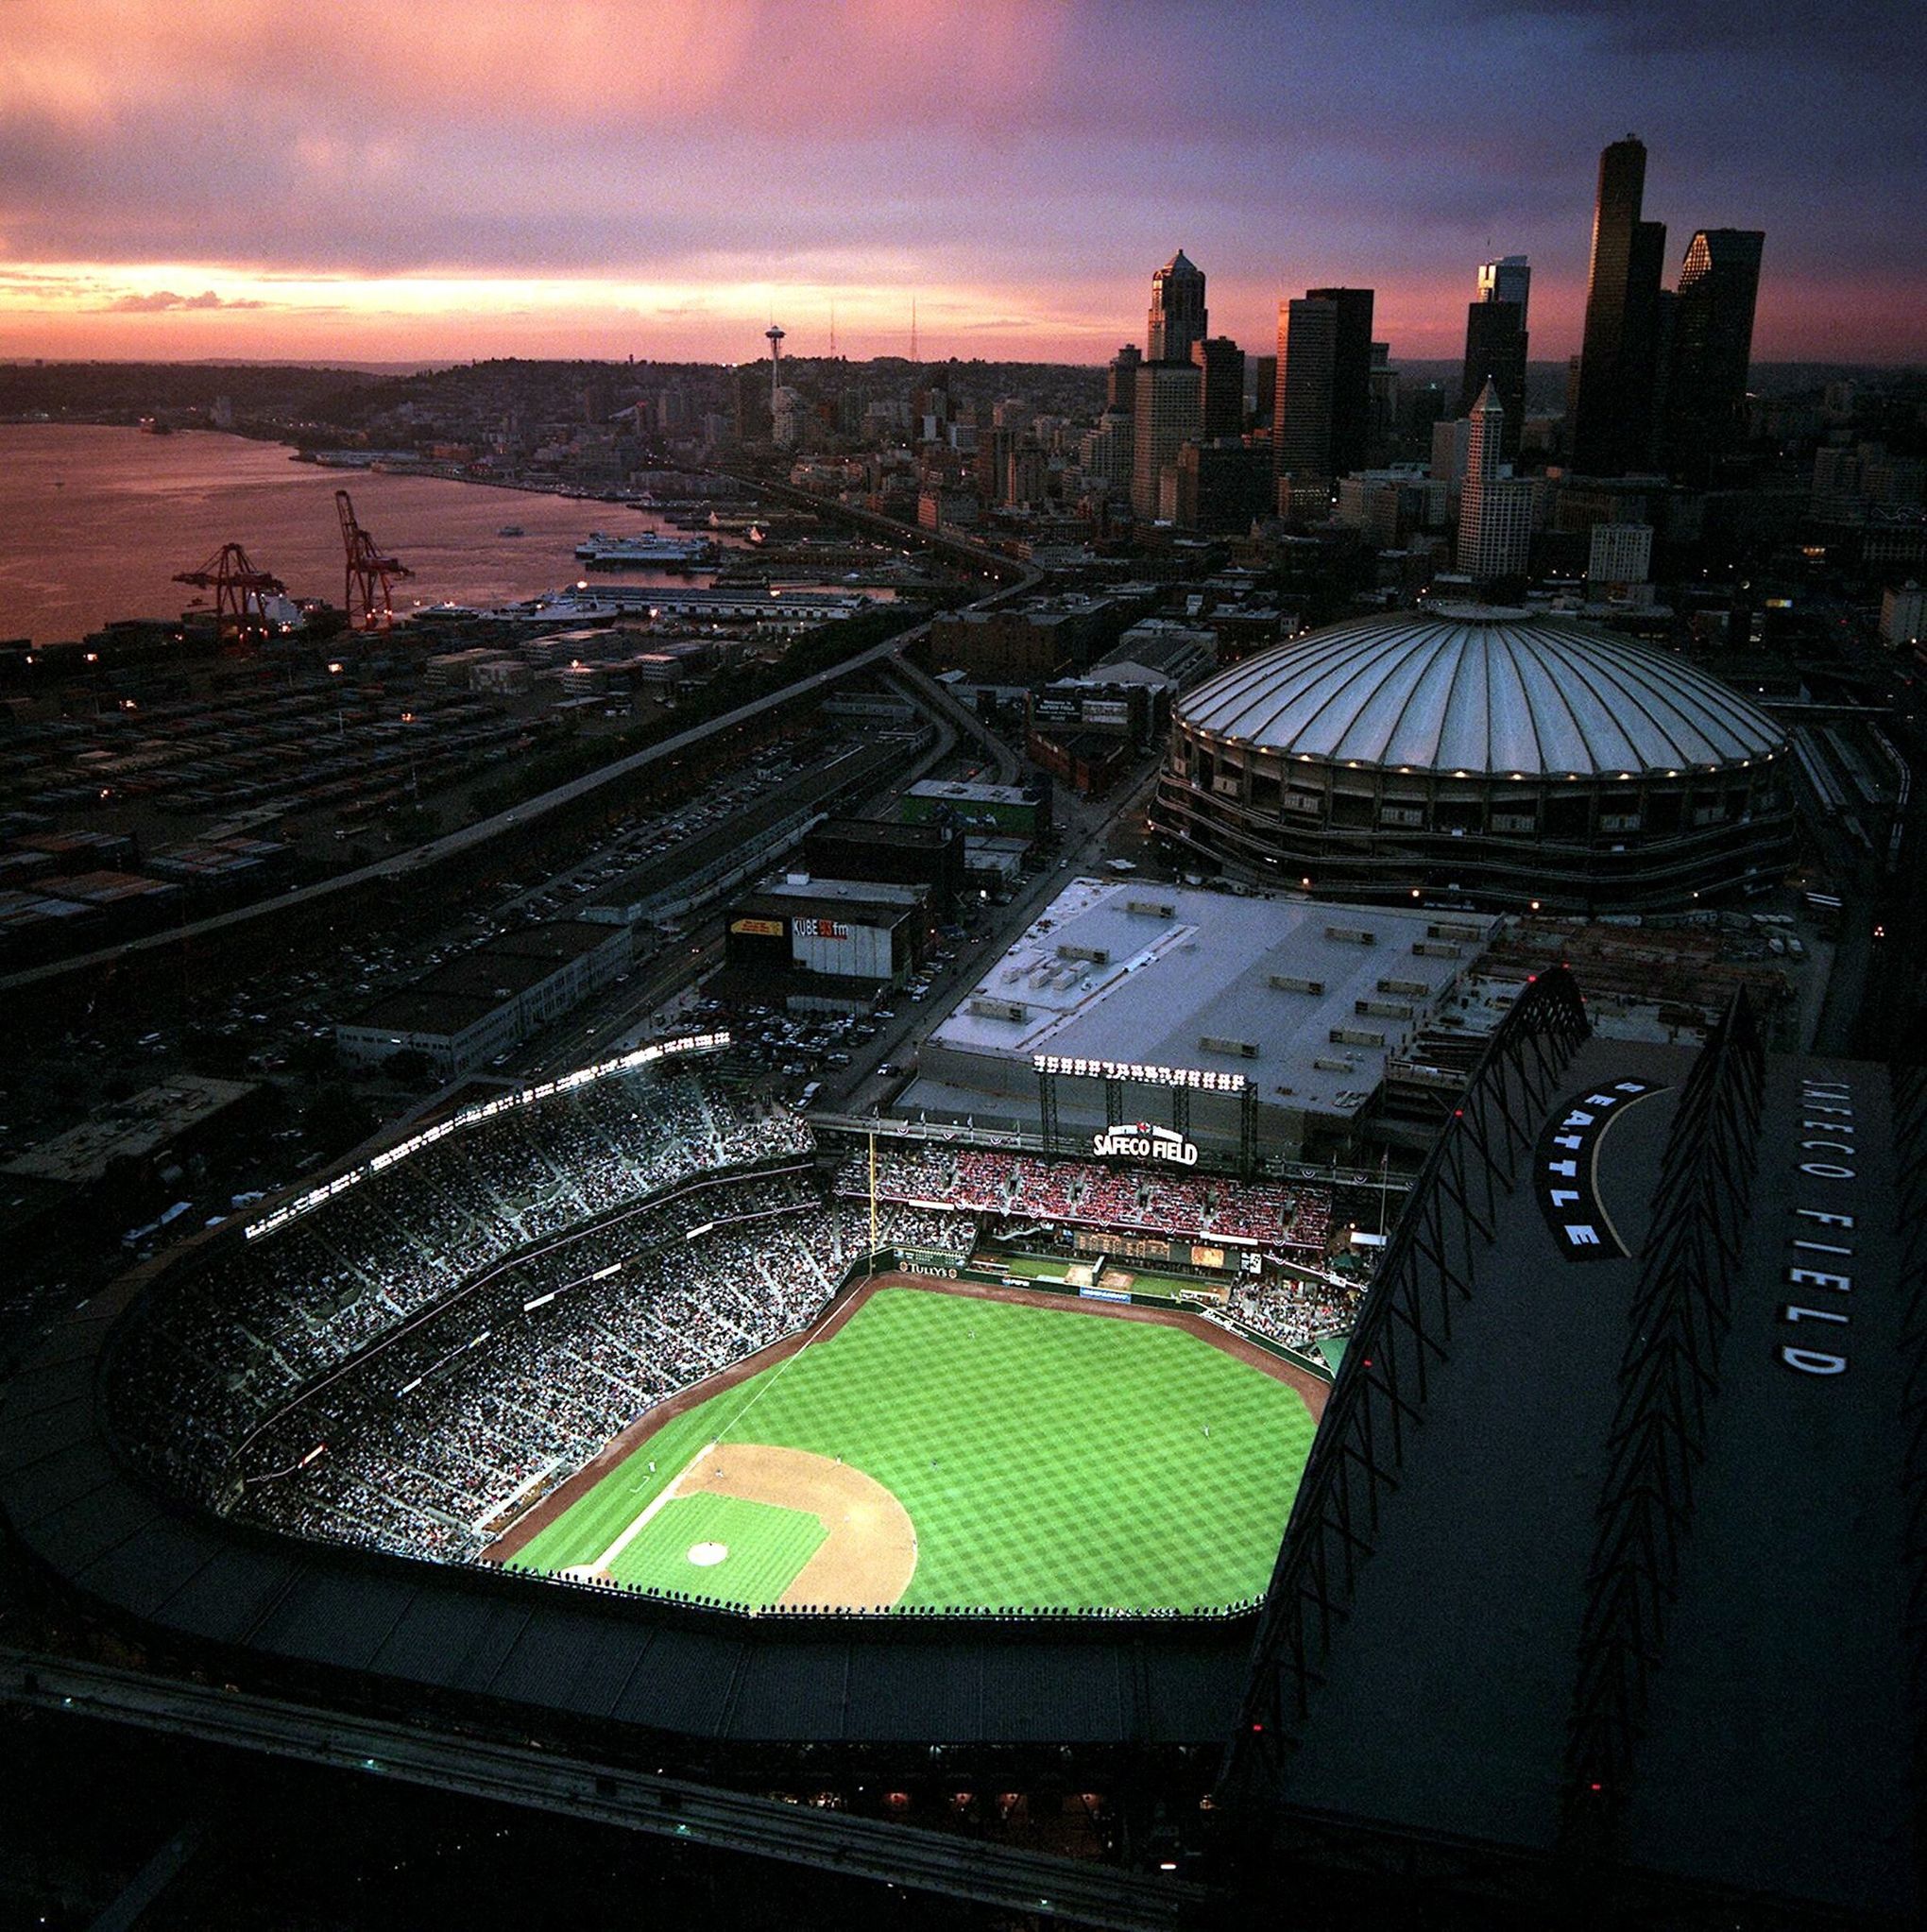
[511, 530]
[649, 548]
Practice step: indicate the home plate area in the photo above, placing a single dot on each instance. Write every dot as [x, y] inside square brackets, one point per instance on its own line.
[762, 1525]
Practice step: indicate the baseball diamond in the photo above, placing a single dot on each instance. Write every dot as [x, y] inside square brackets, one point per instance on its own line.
[933, 1448]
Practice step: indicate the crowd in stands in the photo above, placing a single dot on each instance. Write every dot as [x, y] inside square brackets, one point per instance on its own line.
[1088, 1193]
[405, 1365]
[432, 1444]
[223, 1348]
[1296, 1311]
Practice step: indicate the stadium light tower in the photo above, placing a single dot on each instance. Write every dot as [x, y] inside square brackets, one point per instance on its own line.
[773, 335]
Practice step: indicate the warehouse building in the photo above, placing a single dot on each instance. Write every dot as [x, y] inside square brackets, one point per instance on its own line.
[848, 938]
[486, 1002]
[865, 848]
[1308, 1002]
[1003, 809]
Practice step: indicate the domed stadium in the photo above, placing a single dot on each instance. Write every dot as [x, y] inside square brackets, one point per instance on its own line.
[1516, 759]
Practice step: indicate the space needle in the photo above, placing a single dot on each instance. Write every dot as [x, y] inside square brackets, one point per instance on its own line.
[773, 335]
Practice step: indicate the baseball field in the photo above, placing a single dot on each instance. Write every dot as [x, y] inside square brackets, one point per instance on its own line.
[954, 1450]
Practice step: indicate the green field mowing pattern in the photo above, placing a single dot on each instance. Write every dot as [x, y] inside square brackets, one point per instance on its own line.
[1047, 1458]
[767, 1547]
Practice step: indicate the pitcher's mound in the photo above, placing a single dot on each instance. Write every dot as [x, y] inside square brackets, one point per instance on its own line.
[707, 1555]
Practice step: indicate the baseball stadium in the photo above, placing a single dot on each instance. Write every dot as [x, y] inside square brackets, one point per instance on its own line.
[1058, 1524]
[635, 1331]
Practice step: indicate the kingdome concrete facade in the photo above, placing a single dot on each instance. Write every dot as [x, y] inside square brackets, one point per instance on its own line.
[1514, 757]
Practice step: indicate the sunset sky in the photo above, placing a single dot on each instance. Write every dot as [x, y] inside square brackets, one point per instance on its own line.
[420, 178]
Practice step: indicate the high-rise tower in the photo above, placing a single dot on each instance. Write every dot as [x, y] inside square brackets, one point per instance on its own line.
[1612, 417]
[1177, 310]
[1302, 416]
[1164, 418]
[1322, 423]
[1712, 343]
[1495, 342]
[773, 335]
[1495, 509]
[1220, 361]
[1351, 376]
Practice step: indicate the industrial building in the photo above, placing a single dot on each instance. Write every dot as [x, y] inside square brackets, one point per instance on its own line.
[802, 931]
[1004, 808]
[927, 855]
[1499, 756]
[1306, 1001]
[488, 1002]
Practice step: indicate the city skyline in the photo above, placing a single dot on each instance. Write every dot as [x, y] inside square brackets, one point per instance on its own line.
[614, 179]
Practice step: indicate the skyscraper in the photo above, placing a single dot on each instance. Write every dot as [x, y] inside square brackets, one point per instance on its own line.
[1613, 414]
[1495, 342]
[1508, 280]
[1321, 424]
[1164, 419]
[1302, 419]
[1121, 386]
[1177, 310]
[1221, 404]
[1712, 343]
[1495, 511]
[1351, 376]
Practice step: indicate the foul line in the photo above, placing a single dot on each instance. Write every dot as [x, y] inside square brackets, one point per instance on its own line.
[600, 1566]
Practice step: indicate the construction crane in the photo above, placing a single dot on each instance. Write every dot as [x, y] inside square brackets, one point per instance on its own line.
[241, 594]
[365, 590]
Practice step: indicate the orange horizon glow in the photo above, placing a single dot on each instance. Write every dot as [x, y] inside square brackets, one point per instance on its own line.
[451, 180]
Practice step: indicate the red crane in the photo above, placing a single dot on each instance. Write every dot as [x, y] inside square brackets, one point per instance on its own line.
[364, 589]
[240, 595]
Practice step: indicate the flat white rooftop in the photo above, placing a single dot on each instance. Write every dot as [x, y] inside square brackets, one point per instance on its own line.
[1307, 1000]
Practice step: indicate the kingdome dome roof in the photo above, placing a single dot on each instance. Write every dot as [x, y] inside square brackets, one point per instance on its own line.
[1480, 691]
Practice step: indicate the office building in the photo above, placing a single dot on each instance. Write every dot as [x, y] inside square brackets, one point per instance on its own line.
[1713, 343]
[1120, 383]
[1495, 342]
[1351, 392]
[1301, 416]
[1177, 310]
[1904, 616]
[1495, 509]
[1322, 422]
[1223, 486]
[1612, 407]
[1619, 555]
[1220, 364]
[1165, 419]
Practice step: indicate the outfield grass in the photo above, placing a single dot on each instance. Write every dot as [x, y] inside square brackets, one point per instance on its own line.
[1047, 1458]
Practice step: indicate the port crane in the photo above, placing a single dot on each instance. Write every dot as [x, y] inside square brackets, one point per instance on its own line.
[364, 589]
[240, 595]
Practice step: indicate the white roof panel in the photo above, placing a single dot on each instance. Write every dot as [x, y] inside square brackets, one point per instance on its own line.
[1482, 691]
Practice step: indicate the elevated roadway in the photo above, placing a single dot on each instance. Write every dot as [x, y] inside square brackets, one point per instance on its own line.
[1053, 1889]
